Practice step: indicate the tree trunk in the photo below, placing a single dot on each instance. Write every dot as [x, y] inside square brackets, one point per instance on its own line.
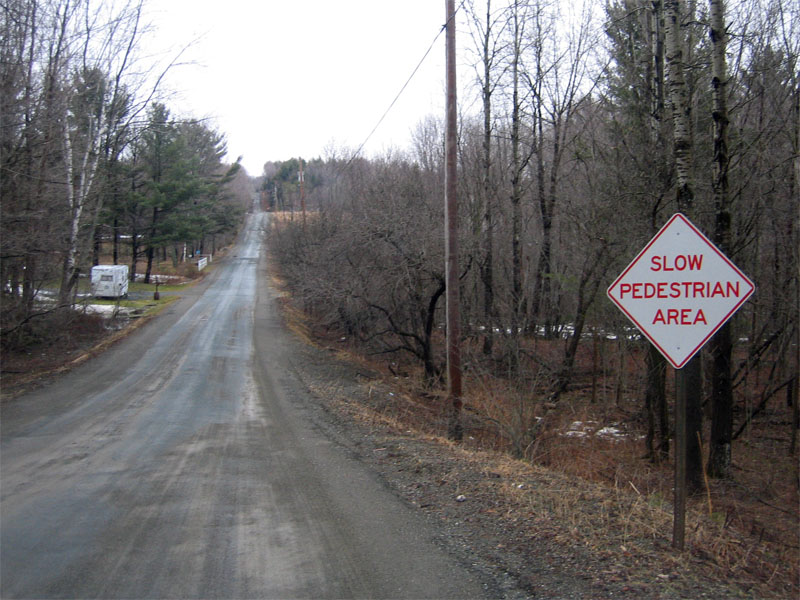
[657, 441]
[150, 247]
[134, 254]
[115, 240]
[97, 246]
[547, 203]
[719, 459]
[79, 185]
[29, 284]
[516, 194]
[75, 204]
[487, 270]
[656, 407]
[431, 372]
[515, 199]
[591, 278]
[149, 268]
[681, 119]
[539, 291]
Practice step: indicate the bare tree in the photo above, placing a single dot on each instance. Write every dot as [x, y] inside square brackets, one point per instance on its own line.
[517, 168]
[103, 38]
[635, 83]
[35, 43]
[383, 234]
[488, 31]
[558, 81]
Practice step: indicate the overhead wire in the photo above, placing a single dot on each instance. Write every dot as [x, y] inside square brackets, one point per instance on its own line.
[402, 90]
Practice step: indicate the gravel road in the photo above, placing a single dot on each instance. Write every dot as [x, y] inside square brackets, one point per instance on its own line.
[185, 463]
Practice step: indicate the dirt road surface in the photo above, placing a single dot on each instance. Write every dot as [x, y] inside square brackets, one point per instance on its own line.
[184, 463]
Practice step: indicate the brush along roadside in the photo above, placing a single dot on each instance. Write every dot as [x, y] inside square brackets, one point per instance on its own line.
[584, 504]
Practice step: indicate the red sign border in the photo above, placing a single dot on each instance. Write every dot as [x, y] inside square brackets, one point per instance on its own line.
[680, 216]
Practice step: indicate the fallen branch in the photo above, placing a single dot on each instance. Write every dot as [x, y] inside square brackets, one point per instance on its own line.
[760, 407]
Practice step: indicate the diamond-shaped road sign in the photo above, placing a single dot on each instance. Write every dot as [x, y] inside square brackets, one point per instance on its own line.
[680, 290]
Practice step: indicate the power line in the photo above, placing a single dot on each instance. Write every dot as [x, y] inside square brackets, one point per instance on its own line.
[402, 89]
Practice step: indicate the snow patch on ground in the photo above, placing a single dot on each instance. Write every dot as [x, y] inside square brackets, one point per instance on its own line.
[587, 429]
[108, 310]
[158, 278]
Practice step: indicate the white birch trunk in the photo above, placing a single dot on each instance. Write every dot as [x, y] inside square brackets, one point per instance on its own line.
[679, 99]
[78, 194]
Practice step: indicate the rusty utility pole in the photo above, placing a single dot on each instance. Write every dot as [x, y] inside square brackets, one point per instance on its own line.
[455, 430]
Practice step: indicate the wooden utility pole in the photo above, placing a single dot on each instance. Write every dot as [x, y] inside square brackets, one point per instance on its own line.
[455, 430]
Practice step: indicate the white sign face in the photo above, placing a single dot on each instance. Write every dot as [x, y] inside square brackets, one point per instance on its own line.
[680, 290]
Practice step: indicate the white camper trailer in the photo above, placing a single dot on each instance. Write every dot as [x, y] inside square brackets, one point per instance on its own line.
[110, 281]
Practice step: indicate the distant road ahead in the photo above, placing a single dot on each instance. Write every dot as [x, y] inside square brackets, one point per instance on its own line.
[183, 464]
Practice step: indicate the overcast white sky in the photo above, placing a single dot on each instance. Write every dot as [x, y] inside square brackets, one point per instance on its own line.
[287, 78]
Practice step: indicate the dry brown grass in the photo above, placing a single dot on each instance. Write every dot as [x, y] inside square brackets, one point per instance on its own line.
[599, 493]
[282, 217]
[601, 496]
[745, 530]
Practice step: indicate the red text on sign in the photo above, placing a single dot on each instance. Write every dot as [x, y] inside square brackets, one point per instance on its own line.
[680, 289]
[681, 262]
[679, 316]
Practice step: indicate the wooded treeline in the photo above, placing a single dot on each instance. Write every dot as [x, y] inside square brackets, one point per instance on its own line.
[582, 131]
[90, 156]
